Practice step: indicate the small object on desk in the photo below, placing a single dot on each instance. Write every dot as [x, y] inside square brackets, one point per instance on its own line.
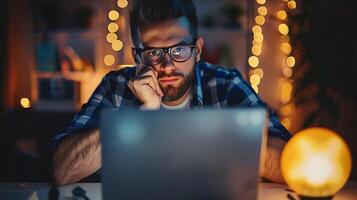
[316, 163]
[79, 192]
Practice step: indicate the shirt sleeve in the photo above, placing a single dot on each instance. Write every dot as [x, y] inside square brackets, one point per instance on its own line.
[88, 117]
[240, 93]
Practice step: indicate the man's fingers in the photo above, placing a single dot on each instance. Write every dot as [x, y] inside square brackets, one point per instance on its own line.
[153, 74]
[156, 81]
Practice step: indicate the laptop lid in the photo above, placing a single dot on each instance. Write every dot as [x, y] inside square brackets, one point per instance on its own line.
[195, 154]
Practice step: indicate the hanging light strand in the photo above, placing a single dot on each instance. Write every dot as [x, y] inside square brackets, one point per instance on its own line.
[286, 83]
[112, 35]
[256, 73]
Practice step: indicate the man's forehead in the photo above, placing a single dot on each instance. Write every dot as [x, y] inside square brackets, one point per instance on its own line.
[166, 33]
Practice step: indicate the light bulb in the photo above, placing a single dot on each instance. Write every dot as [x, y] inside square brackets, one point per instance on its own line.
[316, 163]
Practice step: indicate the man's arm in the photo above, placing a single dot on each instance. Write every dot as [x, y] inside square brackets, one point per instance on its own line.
[240, 93]
[77, 157]
[271, 169]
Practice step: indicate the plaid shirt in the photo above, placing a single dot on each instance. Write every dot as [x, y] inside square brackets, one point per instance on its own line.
[214, 86]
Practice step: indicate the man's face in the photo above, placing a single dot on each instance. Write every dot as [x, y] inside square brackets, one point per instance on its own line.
[175, 78]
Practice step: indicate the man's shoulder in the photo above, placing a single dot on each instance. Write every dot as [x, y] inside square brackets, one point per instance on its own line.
[124, 73]
[211, 72]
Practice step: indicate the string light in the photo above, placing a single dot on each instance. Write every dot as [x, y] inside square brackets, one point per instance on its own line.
[25, 102]
[256, 50]
[256, 29]
[112, 36]
[259, 72]
[109, 60]
[290, 61]
[261, 2]
[292, 4]
[113, 27]
[286, 84]
[253, 61]
[122, 3]
[256, 73]
[281, 14]
[113, 15]
[284, 29]
[285, 48]
[262, 10]
[117, 45]
[260, 20]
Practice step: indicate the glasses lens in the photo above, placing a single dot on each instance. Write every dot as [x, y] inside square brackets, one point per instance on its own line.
[181, 53]
[152, 56]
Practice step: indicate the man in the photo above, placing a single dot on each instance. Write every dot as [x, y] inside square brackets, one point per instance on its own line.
[169, 75]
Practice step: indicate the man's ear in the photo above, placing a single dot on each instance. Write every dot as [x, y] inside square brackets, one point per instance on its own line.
[199, 46]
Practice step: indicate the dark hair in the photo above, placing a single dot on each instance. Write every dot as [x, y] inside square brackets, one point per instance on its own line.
[146, 12]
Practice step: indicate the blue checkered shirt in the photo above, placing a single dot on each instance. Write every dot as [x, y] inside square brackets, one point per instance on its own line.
[214, 86]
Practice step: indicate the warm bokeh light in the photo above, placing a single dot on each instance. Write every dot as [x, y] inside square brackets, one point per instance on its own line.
[113, 27]
[290, 61]
[25, 102]
[255, 79]
[285, 97]
[109, 60]
[256, 43]
[259, 72]
[287, 87]
[284, 29]
[281, 14]
[111, 37]
[261, 2]
[122, 3]
[286, 110]
[262, 10]
[256, 29]
[255, 88]
[253, 61]
[316, 162]
[260, 20]
[287, 72]
[113, 15]
[259, 37]
[256, 50]
[285, 48]
[117, 45]
[292, 4]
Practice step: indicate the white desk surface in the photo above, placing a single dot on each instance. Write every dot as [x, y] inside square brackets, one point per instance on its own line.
[39, 191]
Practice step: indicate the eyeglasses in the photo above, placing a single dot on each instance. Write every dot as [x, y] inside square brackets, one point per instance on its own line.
[154, 56]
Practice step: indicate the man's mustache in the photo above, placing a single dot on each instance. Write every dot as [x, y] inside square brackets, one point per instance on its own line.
[175, 74]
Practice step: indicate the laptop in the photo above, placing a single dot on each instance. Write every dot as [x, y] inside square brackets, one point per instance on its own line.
[196, 154]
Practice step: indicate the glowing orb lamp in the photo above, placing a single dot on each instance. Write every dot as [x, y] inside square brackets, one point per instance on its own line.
[316, 163]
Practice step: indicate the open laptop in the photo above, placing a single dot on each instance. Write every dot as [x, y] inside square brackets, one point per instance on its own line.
[196, 154]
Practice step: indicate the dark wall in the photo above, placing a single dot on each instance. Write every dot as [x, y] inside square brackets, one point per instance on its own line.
[3, 55]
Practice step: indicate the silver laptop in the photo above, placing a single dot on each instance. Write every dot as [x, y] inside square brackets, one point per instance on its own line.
[197, 154]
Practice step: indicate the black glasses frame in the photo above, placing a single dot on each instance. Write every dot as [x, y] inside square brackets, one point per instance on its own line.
[167, 50]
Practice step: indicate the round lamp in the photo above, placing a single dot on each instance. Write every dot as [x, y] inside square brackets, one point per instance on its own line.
[316, 163]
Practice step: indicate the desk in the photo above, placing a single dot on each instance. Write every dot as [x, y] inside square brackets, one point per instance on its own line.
[34, 191]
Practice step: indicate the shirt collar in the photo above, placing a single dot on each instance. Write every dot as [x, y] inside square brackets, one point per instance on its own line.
[197, 95]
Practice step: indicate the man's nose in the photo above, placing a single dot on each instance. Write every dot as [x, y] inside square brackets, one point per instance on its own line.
[167, 65]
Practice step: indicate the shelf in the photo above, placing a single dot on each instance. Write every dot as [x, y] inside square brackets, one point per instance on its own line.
[75, 76]
[56, 106]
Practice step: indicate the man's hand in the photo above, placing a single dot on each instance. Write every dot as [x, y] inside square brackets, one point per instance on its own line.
[146, 88]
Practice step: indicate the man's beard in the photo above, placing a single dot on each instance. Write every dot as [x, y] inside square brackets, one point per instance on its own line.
[173, 92]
